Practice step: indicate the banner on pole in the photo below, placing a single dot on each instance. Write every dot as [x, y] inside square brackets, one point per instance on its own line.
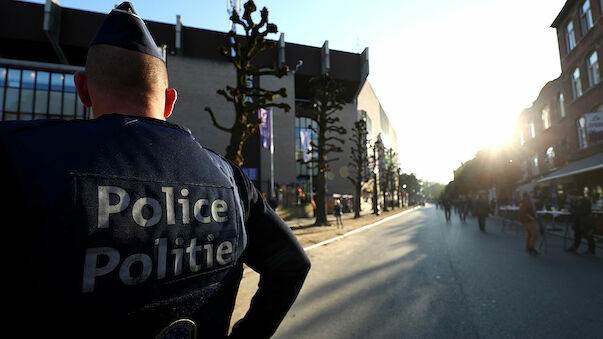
[305, 136]
[264, 117]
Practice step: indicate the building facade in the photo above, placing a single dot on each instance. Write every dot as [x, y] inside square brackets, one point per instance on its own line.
[561, 134]
[42, 46]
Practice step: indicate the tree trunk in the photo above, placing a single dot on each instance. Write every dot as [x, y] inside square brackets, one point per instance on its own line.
[238, 135]
[357, 199]
[234, 149]
[321, 201]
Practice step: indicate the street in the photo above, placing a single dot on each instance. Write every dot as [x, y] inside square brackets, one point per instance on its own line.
[417, 276]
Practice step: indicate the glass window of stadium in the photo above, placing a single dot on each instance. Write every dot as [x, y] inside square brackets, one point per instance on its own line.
[27, 94]
[304, 130]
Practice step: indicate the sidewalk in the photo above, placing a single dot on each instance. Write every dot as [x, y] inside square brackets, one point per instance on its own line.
[308, 234]
[309, 221]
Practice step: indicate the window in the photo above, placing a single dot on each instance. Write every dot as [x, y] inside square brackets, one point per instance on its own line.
[581, 125]
[27, 94]
[521, 138]
[3, 73]
[28, 83]
[561, 106]
[576, 84]
[11, 99]
[550, 157]
[586, 17]
[570, 36]
[42, 85]
[546, 118]
[532, 130]
[535, 167]
[524, 169]
[304, 126]
[593, 69]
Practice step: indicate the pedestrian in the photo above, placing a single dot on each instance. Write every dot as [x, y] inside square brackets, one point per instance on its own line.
[529, 220]
[463, 208]
[482, 209]
[582, 221]
[124, 226]
[493, 206]
[447, 207]
[346, 206]
[337, 212]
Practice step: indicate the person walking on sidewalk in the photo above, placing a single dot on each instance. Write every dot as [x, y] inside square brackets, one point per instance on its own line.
[583, 223]
[337, 212]
[527, 217]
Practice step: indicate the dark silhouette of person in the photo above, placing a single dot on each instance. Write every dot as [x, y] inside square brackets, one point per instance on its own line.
[582, 222]
[482, 210]
[123, 225]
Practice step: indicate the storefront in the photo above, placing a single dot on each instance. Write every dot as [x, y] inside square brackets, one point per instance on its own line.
[585, 175]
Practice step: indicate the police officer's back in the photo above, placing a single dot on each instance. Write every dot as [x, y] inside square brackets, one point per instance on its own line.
[124, 225]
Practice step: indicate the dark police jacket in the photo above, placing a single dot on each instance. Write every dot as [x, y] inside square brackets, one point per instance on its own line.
[122, 226]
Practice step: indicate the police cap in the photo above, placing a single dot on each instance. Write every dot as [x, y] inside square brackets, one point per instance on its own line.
[124, 28]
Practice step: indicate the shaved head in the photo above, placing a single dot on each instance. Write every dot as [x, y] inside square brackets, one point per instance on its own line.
[112, 68]
[118, 80]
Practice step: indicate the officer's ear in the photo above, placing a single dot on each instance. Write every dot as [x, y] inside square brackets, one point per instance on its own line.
[81, 85]
[170, 99]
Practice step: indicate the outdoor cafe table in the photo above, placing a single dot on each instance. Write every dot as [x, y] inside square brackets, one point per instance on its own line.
[554, 217]
[508, 214]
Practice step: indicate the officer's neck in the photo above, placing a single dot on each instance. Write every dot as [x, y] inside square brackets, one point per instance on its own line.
[138, 110]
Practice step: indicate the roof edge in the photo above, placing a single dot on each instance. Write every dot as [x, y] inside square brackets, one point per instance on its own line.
[562, 13]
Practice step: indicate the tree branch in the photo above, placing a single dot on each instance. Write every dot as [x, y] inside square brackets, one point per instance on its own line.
[215, 122]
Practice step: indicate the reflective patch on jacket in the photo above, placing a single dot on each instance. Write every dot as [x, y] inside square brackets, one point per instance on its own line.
[139, 233]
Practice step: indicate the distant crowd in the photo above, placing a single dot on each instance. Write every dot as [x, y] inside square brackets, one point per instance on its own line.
[579, 210]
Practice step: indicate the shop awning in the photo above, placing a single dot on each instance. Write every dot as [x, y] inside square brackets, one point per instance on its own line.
[583, 165]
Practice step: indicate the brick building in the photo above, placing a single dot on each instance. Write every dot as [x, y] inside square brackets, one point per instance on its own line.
[561, 134]
[42, 46]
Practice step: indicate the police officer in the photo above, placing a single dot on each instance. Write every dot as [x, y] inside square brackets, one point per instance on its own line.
[124, 226]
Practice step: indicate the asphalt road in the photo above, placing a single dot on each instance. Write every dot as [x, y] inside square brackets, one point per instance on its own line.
[419, 277]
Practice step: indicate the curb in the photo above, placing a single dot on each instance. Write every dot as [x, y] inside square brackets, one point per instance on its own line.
[360, 229]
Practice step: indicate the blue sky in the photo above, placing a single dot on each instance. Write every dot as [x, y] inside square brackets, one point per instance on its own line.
[452, 75]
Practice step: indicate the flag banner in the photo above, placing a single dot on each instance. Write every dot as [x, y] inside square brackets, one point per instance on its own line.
[305, 136]
[264, 116]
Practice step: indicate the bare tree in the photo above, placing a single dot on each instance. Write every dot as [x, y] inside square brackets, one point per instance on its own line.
[327, 98]
[359, 163]
[247, 100]
[387, 173]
